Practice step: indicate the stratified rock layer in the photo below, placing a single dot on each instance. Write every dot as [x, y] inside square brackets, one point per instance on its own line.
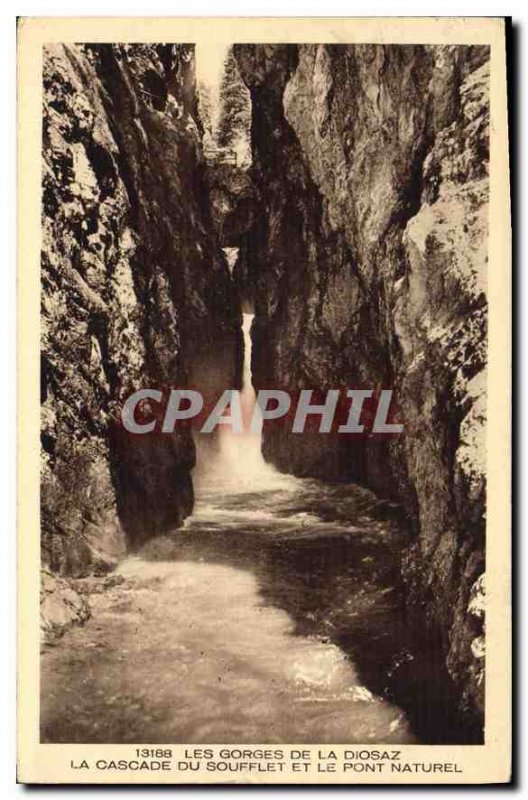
[133, 282]
[367, 267]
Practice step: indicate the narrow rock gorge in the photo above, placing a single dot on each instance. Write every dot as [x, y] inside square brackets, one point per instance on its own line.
[133, 283]
[357, 233]
[366, 264]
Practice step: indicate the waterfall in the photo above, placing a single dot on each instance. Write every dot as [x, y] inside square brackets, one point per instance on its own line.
[233, 461]
[238, 461]
[241, 453]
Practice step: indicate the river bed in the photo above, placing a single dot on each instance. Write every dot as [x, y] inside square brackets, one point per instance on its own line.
[224, 631]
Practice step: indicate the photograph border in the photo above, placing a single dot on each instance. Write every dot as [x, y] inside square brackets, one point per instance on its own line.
[50, 763]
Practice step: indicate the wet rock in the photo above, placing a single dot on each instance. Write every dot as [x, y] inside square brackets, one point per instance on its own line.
[133, 283]
[60, 607]
[367, 265]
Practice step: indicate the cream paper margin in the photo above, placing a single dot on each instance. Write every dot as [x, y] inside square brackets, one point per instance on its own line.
[50, 763]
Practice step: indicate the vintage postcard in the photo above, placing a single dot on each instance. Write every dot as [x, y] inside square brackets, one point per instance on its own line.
[264, 401]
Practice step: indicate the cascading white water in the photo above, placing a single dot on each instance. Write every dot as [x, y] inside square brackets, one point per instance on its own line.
[241, 453]
[237, 462]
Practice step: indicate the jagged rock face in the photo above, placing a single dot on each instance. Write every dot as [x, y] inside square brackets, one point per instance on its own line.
[367, 267]
[61, 606]
[133, 282]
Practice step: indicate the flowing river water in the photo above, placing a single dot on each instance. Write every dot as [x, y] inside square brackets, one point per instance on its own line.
[274, 615]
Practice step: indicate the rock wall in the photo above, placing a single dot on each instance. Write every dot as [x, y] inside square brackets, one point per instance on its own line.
[366, 264]
[133, 284]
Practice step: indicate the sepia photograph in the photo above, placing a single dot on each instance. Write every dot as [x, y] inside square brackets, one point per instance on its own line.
[264, 339]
